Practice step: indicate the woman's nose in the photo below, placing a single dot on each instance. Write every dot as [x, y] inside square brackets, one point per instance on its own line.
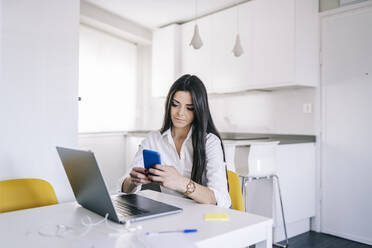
[181, 111]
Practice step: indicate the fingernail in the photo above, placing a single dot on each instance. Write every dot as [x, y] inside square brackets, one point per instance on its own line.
[145, 170]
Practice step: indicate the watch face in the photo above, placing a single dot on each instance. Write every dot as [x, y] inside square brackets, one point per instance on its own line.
[191, 187]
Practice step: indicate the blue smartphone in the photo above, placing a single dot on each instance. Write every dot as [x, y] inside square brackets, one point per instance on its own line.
[150, 158]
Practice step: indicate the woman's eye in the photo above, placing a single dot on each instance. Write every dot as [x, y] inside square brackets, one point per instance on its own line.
[190, 109]
[173, 104]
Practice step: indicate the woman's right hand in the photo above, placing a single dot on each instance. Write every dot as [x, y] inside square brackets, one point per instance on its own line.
[138, 176]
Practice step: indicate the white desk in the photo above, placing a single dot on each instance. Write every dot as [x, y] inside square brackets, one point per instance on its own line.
[20, 228]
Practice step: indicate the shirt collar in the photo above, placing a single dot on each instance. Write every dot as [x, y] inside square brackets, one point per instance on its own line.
[168, 134]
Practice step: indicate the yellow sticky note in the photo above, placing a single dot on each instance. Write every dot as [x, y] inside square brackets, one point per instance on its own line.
[216, 216]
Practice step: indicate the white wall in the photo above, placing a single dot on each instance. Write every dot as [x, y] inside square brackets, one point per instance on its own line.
[144, 83]
[38, 96]
[109, 150]
[265, 112]
[261, 112]
[1, 28]
[101, 19]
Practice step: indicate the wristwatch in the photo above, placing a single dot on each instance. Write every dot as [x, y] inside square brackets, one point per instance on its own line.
[190, 187]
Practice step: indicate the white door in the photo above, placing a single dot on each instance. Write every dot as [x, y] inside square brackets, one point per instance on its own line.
[346, 208]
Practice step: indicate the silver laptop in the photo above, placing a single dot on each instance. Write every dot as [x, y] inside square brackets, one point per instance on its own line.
[90, 191]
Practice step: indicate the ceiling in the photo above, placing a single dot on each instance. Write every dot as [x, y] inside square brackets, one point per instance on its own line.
[156, 13]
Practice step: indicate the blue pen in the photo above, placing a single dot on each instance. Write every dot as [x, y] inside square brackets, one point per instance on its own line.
[176, 231]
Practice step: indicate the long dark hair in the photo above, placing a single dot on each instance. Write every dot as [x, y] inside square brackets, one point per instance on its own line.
[202, 123]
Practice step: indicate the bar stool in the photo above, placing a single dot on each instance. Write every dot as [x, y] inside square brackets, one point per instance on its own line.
[261, 165]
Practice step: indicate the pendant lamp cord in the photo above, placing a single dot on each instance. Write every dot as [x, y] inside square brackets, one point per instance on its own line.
[237, 17]
[196, 11]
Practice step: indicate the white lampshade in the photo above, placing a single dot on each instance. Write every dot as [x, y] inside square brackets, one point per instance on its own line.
[238, 49]
[196, 41]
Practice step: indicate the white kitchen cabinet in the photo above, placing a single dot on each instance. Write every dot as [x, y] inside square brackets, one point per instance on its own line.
[295, 166]
[273, 42]
[214, 63]
[280, 40]
[285, 49]
[165, 59]
[230, 73]
[296, 171]
[198, 61]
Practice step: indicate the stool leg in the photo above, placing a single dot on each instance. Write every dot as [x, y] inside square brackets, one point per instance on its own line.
[283, 218]
[244, 193]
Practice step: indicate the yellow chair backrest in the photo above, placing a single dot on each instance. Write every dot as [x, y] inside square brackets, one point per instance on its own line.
[19, 194]
[235, 192]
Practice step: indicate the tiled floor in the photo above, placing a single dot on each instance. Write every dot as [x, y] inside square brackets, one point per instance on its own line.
[320, 240]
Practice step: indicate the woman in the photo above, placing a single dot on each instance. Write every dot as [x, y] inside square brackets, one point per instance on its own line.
[190, 147]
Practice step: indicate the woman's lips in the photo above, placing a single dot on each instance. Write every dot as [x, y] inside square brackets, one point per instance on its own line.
[177, 119]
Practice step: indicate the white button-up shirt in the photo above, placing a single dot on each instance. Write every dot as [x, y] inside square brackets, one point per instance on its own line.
[214, 176]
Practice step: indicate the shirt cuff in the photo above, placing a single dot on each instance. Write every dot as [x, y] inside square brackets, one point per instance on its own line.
[222, 199]
[120, 183]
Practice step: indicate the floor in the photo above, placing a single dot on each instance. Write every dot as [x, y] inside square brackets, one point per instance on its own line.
[320, 240]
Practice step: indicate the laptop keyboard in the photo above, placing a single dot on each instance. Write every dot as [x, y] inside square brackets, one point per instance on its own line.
[125, 209]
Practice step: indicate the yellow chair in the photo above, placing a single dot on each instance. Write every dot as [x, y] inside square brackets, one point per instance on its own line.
[19, 194]
[235, 192]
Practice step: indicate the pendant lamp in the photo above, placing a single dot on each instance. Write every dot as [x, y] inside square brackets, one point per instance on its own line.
[196, 41]
[238, 49]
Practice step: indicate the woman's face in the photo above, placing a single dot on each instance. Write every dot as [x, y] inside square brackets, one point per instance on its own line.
[182, 109]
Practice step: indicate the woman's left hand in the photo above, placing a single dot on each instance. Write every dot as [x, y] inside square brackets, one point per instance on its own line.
[168, 177]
